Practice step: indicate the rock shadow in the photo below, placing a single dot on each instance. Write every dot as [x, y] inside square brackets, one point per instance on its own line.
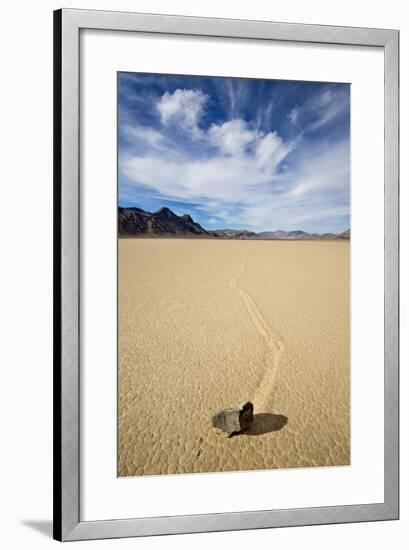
[264, 423]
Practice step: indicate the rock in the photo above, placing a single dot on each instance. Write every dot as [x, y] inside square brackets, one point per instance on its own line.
[234, 420]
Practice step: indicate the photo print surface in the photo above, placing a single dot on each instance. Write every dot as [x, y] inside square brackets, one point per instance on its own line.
[233, 274]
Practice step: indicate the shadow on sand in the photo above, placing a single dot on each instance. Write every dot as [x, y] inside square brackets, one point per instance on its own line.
[264, 423]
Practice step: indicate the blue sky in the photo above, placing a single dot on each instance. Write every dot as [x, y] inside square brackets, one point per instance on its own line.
[236, 153]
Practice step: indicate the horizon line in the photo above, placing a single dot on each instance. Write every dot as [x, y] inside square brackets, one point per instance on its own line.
[236, 229]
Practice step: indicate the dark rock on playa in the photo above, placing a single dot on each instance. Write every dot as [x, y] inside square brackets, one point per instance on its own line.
[234, 420]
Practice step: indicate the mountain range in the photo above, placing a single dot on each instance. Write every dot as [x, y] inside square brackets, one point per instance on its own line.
[134, 221]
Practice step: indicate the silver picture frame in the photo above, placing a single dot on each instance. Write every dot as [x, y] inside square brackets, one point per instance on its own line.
[67, 26]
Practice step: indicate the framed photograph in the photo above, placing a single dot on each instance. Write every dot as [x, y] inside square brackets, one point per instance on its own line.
[226, 274]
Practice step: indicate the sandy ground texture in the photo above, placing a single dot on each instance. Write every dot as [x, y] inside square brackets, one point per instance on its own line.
[204, 324]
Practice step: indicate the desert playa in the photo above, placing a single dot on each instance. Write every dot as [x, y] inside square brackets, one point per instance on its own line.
[207, 323]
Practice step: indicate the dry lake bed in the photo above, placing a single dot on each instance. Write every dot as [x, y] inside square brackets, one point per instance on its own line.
[205, 324]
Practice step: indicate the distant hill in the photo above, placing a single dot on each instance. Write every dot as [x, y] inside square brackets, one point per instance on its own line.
[345, 235]
[135, 222]
[279, 234]
[235, 234]
[298, 235]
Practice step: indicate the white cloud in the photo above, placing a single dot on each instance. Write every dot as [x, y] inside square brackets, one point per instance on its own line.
[236, 164]
[326, 112]
[232, 137]
[144, 134]
[183, 108]
[326, 107]
[240, 190]
[321, 110]
[293, 115]
[235, 91]
[222, 179]
[271, 150]
[322, 173]
[231, 95]
[235, 138]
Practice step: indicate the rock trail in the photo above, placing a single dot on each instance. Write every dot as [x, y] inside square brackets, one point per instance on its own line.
[263, 396]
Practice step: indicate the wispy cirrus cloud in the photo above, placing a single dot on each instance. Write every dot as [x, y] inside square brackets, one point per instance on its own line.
[321, 109]
[293, 115]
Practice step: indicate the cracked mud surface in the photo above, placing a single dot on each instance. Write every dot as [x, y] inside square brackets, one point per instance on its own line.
[204, 324]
